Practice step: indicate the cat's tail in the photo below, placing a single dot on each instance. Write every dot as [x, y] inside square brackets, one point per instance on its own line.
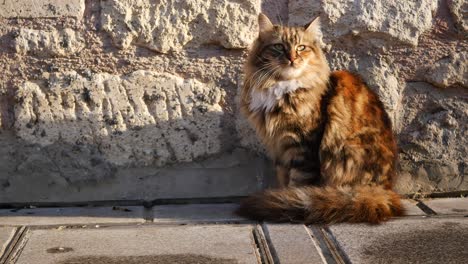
[372, 204]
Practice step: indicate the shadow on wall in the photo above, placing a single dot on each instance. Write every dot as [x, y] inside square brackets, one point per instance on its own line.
[277, 10]
[145, 118]
[431, 156]
[108, 137]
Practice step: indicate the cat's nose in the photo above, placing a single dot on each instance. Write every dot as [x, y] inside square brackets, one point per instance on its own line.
[292, 58]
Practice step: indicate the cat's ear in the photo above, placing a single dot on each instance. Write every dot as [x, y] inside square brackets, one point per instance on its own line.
[314, 27]
[264, 25]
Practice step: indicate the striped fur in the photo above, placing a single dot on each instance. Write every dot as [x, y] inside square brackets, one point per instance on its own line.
[327, 132]
[312, 205]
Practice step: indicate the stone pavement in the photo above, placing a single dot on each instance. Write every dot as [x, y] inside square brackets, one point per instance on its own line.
[434, 231]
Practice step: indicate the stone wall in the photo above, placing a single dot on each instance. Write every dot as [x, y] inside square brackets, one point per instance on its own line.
[109, 100]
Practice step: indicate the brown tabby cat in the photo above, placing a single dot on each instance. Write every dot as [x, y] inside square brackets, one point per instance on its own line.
[327, 132]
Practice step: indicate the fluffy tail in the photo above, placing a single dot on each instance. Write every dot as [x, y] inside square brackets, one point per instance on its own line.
[372, 204]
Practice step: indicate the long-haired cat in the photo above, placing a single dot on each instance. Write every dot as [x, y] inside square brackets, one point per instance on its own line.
[327, 132]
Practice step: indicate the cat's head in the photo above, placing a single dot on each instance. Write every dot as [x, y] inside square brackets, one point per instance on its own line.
[287, 53]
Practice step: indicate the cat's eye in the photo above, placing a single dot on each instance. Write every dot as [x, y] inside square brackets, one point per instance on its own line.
[278, 47]
[300, 48]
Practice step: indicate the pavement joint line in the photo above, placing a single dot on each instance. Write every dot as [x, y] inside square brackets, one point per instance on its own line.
[324, 249]
[15, 245]
[191, 222]
[204, 222]
[148, 214]
[333, 244]
[105, 203]
[86, 226]
[5, 246]
[5, 251]
[261, 244]
[130, 224]
[426, 209]
[76, 225]
[269, 243]
[316, 244]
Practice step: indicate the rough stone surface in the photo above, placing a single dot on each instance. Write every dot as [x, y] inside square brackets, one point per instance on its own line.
[248, 137]
[407, 240]
[172, 25]
[378, 73]
[72, 215]
[433, 141]
[292, 244]
[451, 206]
[42, 8]
[145, 117]
[459, 10]
[208, 241]
[6, 234]
[383, 79]
[388, 21]
[449, 71]
[394, 45]
[48, 43]
[194, 213]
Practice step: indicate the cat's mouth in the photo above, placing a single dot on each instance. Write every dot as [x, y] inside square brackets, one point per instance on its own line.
[291, 72]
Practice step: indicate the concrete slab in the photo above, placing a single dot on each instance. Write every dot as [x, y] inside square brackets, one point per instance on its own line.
[411, 208]
[407, 240]
[196, 213]
[236, 174]
[292, 244]
[239, 173]
[72, 215]
[6, 234]
[455, 206]
[137, 244]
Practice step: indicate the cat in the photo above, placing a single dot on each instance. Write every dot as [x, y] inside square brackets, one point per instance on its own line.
[327, 133]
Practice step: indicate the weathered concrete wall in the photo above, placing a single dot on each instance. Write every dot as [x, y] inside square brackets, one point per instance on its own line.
[104, 100]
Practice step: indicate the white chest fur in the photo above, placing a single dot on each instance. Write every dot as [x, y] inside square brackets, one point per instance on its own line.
[268, 98]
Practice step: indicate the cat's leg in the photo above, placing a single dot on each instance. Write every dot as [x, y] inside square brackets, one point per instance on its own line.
[302, 167]
[298, 171]
[298, 177]
[282, 176]
[358, 164]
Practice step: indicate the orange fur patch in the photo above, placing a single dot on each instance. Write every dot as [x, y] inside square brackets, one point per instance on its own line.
[328, 132]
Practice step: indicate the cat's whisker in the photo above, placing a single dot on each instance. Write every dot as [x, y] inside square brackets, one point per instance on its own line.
[306, 131]
[268, 75]
[261, 79]
[263, 74]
